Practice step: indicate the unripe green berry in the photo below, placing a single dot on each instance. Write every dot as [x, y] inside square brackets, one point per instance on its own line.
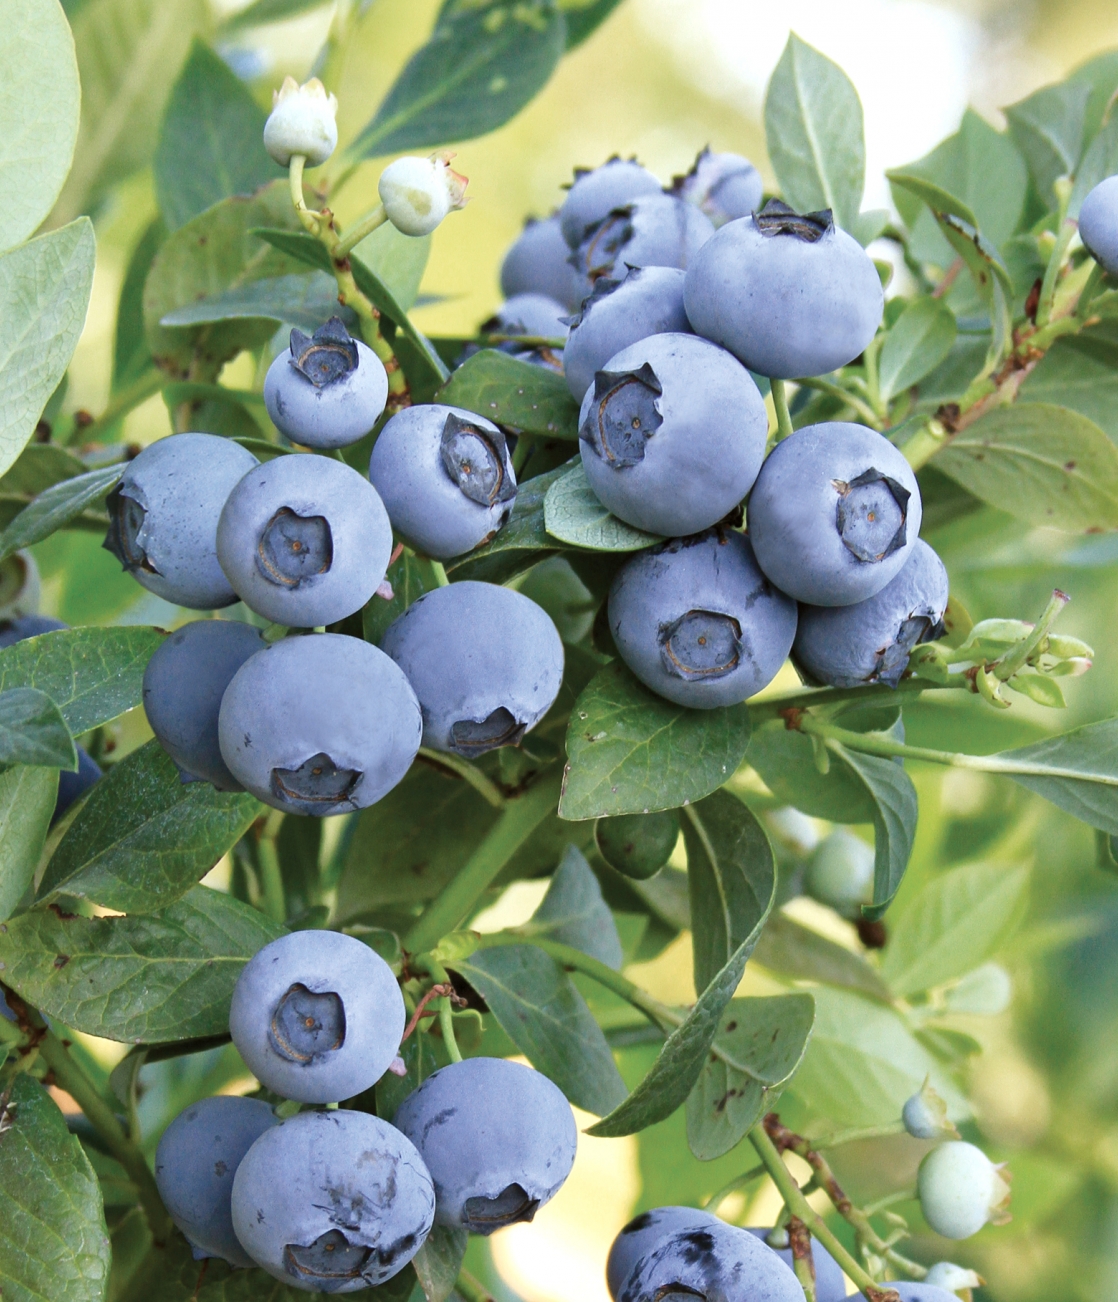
[960, 1190]
[637, 845]
[840, 873]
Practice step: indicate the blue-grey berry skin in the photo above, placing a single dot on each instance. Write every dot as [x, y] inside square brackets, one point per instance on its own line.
[195, 1163]
[73, 785]
[1098, 224]
[304, 540]
[538, 262]
[164, 514]
[645, 1232]
[724, 186]
[317, 1016]
[829, 1283]
[649, 301]
[333, 1202]
[184, 682]
[719, 1262]
[486, 664]
[785, 305]
[498, 1138]
[911, 1291]
[595, 194]
[672, 434]
[330, 416]
[697, 621]
[660, 231]
[18, 630]
[445, 477]
[319, 724]
[871, 641]
[834, 514]
[529, 314]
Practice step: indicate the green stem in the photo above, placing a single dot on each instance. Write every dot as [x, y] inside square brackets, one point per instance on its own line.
[1052, 272]
[841, 1137]
[446, 1025]
[516, 823]
[310, 220]
[470, 1288]
[738, 1182]
[897, 1196]
[364, 227]
[833, 390]
[470, 773]
[70, 1077]
[1019, 656]
[1088, 292]
[780, 403]
[772, 707]
[271, 875]
[439, 571]
[119, 405]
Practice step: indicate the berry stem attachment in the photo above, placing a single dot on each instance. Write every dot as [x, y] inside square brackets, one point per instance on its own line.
[271, 875]
[783, 416]
[483, 785]
[311, 221]
[364, 227]
[471, 1288]
[738, 1182]
[832, 390]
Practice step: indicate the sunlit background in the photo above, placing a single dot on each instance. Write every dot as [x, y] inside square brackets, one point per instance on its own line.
[661, 79]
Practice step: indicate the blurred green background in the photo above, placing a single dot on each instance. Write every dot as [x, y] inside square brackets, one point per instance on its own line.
[661, 79]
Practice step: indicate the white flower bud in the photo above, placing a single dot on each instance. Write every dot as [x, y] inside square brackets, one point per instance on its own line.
[961, 1189]
[952, 1278]
[302, 122]
[417, 193]
[925, 1115]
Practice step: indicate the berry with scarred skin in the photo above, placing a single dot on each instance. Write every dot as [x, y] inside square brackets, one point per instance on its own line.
[596, 193]
[659, 231]
[645, 1232]
[716, 1263]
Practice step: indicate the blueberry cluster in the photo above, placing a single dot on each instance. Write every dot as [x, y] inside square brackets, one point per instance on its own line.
[334, 1200]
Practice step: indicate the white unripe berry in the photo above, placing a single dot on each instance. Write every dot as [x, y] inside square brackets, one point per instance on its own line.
[960, 1190]
[418, 193]
[302, 121]
[952, 1278]
[840, 873]
[925, 1116]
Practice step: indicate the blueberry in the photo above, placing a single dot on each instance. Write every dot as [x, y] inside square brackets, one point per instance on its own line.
[724, 186]
[960, 1189]
[672, 434]
[317, 1016]
[649, 301]
[834, 514]
[183, 685]
[486, 664]
[18, 630]
[326, 390]
[638, 845]
[830, 1286]
[529, 314]
[925, 1115]
[871, 641]
[645, 1232]
[319, 724]
[715, 1263]
[595, 194]
[788, 295]
[1098, 224]
[73, 785]
[195, 1163]
[840, 873]
[538, 263]
[445, 476]
[164, 512]
[498, 1138]
[304, 540]
[698, 622]
[914, 1292]
[659, 231]
[332, 1202]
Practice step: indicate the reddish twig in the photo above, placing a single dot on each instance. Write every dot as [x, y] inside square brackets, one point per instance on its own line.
[421, 1010]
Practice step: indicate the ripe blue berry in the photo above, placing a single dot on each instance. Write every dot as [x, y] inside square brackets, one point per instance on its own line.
[183, 685]
[332, 1202]
[724, 186]
[713, 1262]
[317, 1016]
[840, 873]
[486, 664]
[830, 1286]
[1098, 224]
[912, 1291]
[195, 1163]
[445, 477]
[645, 1232]
[672, 434]
[698, 622]
[788, 295]
[326, 390]
[834, 514]
[498, 1138]
[304, 540]
[164, 514]
[529, 314]
[871, 641]
[649, 301]
[658, 231]
[319, 724]
[18, 630]
[538, 262]
[595, 194]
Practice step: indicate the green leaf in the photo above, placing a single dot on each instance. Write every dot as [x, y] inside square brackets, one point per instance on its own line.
[53, 1239]
[538, 1007]
[575, 516]
[788, 947]
[27, 799]
[894, 822]
[44, 293]
[211, 143]
[630, 751]
[785, 761]
[760, 1043]
[524, 398]
[267, 11]
[584, 17]
[410, 576]
[40, 101]
[1044, 464]
[32, 731]
[162, 976]
[485, 60]
[56, 507]
[936, 196]
[574, 913]
[303, 300]
[922, 337]
[1048, 128]
[129, 54]
[39, 466]
[1099, 162]
[398, 261]
[1078, 771]
[93, 675]
[438, 1262]
[144, 837]
[958, 920]
[685, 1051]
[131, 355]
[1081, 372]
[813, 128]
